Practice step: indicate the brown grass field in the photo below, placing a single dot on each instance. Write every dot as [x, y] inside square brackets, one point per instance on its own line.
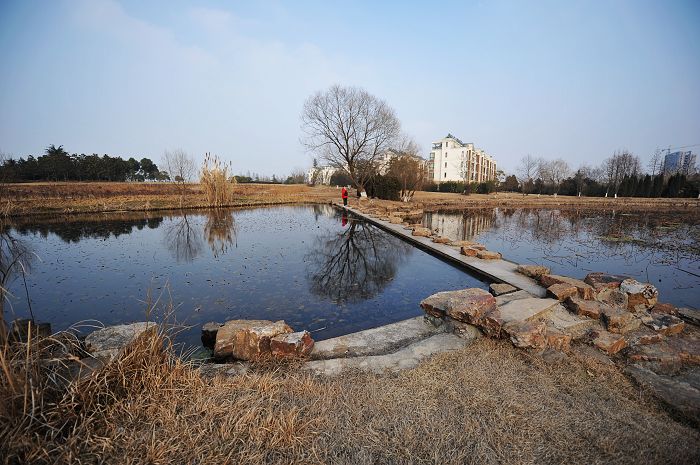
[487, 403]
[92, 197]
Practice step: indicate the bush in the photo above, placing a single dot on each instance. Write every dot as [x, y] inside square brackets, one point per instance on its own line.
[384, 187]
[456, 187]
[486, 187]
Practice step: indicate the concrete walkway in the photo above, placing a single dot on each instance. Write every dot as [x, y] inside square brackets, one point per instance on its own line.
[497, 270]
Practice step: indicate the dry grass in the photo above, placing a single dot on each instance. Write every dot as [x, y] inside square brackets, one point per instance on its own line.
[488, 403]
[214, 179]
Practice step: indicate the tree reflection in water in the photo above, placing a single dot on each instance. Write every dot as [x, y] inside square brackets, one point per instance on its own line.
[220, 230]
[185, 236]
[354, 264]
[15, 260]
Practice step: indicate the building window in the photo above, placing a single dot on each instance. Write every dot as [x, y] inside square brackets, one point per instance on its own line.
[445, 175]
[445, 164]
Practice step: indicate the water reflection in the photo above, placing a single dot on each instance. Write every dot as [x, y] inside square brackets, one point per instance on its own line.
[220, 230]
[183, 239]
[652, 246]
[15, 260]
[356, 263]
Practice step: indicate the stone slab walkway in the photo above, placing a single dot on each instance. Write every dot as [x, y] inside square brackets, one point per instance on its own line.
[498, 270]
[403, 359]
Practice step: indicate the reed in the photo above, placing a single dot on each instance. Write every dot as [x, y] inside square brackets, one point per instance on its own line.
[217, 181]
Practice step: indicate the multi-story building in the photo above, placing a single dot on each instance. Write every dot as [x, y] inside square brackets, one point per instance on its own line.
[320, 175]
[679, 162]
[384, 160]
[453, 160]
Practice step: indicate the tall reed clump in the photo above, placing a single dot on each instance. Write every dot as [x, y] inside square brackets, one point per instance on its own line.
[216, 181]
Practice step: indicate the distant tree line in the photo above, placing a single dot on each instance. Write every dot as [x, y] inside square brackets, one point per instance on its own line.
[58, 165]
[619, 175]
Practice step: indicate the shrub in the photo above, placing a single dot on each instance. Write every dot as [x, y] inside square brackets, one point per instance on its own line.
[384, 187]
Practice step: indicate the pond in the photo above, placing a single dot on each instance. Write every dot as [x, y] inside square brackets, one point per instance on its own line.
[657, 247]
[311, 266]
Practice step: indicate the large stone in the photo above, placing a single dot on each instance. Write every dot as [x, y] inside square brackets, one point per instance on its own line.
[501, 288]
[517, 295]
[209, 331]
[297, 344]
[587, 308]
[601, 281]
[691, 315]
[526, 334]
[665, 308]
[422, 232]
[467, 305]
[612, 296]
[643, 336]
[558, 340]
[609, 343]
[441, 240]
[664, 323]
[106, 343]
[468, 251]
[572, 325]
[492, 323]
[681, 392]
[395, 220]
[639, 293]
[533, 271]
[527, 309]
[619, 321]
[488, 255]
[585, 291]
[562, 291]
[247, 339]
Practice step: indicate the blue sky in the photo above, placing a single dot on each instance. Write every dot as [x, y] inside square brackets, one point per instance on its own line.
[570, 79]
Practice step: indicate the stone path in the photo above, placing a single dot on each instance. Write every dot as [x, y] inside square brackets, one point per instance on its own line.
[497, 269]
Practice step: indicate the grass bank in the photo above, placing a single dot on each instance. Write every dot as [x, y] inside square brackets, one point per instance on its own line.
[487, 403]
[95, 197]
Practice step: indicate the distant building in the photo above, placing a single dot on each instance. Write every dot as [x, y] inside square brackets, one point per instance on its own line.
[680, 162]
[453, 160]
[320, 175]
[384, 159]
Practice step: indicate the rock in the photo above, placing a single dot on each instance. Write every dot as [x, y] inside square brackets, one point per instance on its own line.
[665, 308]
[619, 321]
[558, 340]
[690, 315]
[601, 281]
[664, 323]
[297, 344]
[468, 251]
[612, 296]
[247, 339]
[466, 305]
[525, 334]
[488, 255]
[677, 392]
[527, 309]
[441, 240]
[107, 342]
[572, 325]
[463, 330]
[517, 295]
[501, 288]
[212, 370]
[585, 291]
[20, 329]
[492, 323]
[395, 220]
[562, 291]
[422, 232]
[609, 343]
[587, 308]
[533, 271]
[209, 331]
[643, 336]
[639, 293]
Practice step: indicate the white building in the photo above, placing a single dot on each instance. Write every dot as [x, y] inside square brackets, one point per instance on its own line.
[453, 160]
[320, 175]
[384, 159]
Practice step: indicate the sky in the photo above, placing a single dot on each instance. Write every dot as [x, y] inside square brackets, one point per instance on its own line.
[576, 80]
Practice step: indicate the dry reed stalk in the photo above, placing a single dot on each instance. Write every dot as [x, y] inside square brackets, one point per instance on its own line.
[216, 181]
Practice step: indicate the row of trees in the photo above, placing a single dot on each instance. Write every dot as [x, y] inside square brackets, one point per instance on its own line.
[621, 174]
[57, 165]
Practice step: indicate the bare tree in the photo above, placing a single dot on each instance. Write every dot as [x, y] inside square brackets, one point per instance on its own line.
[621, 164]
[527, 170]
[350, 129]
[409, 168]
[555, 172]
[656, 162]
[180, 167]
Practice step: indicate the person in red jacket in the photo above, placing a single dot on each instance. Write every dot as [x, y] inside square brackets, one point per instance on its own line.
[344, 195]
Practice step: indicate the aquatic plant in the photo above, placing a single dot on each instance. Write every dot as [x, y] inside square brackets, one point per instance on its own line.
[216, 181]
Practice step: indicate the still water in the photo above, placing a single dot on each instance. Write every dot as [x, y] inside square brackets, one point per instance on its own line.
[655, 247]
[311, 266]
